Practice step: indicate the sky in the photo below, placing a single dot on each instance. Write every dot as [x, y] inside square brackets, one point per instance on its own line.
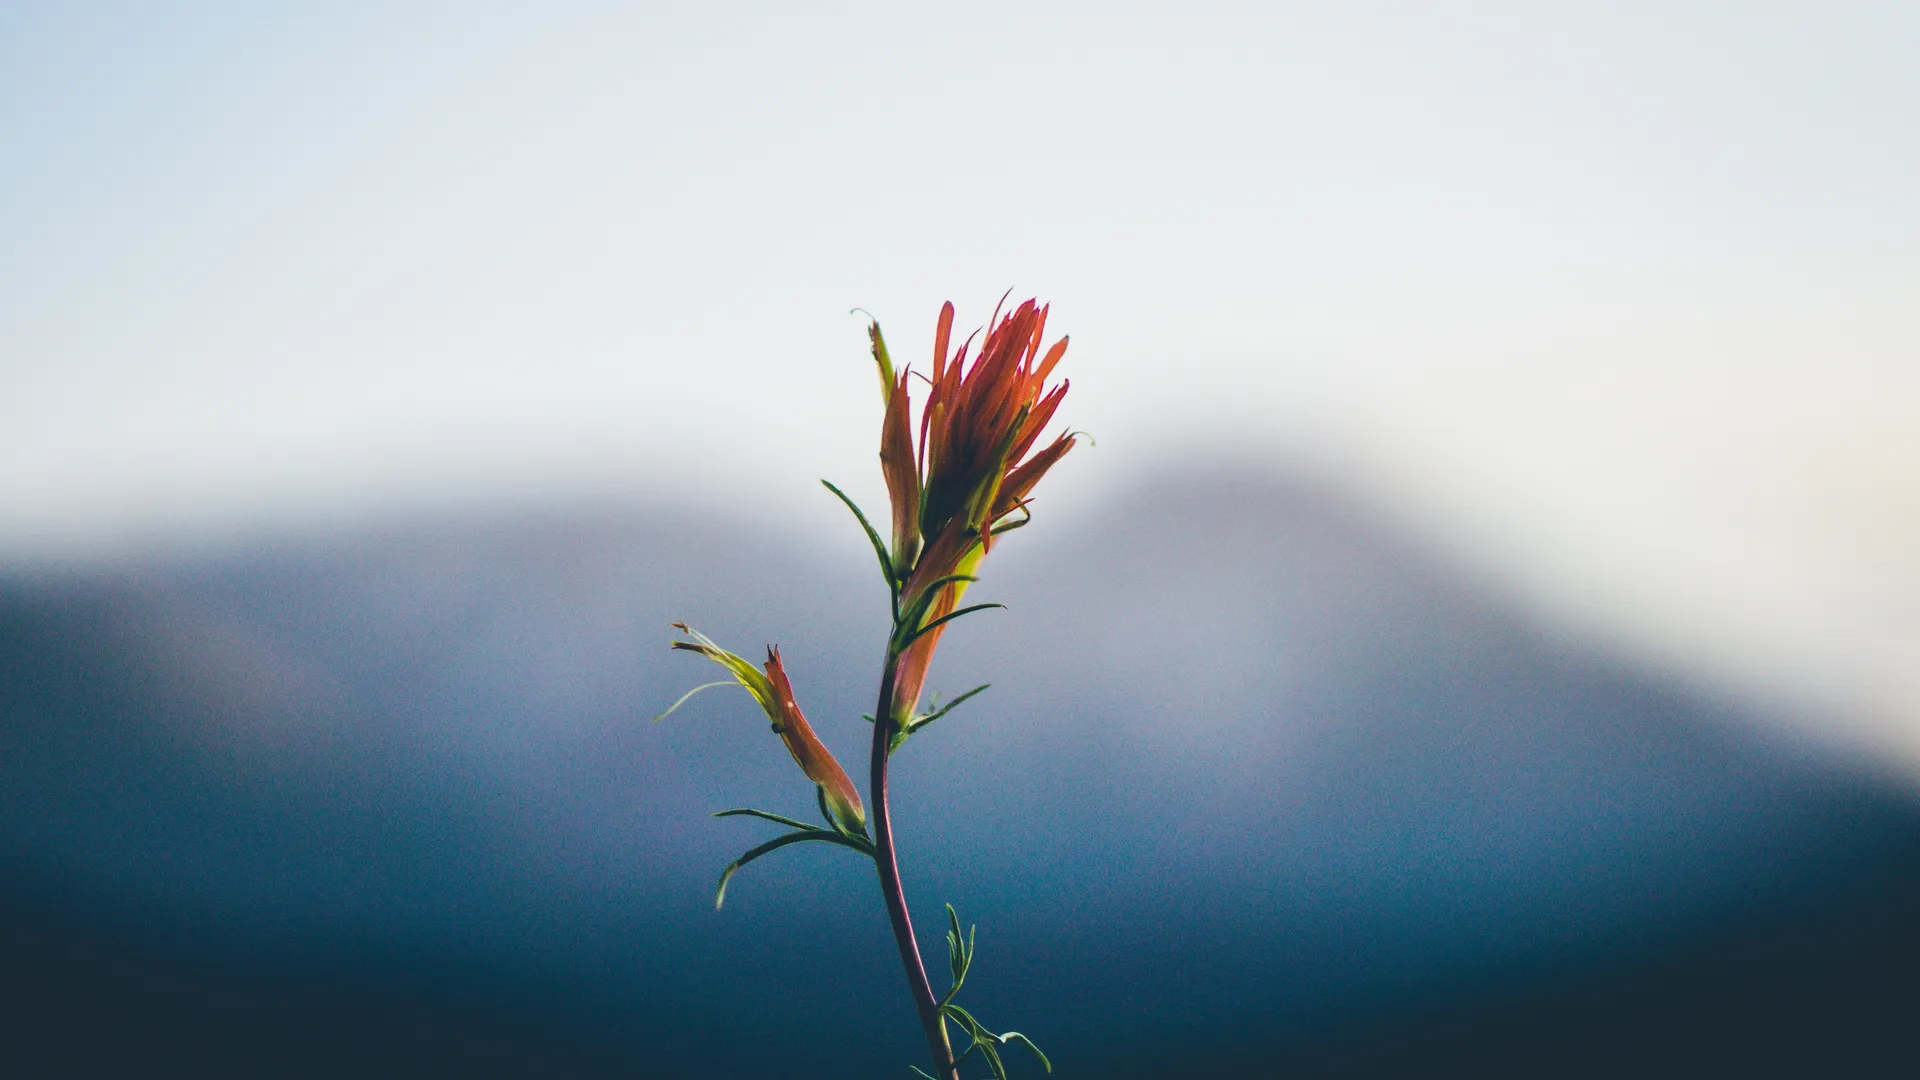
[1614, 302]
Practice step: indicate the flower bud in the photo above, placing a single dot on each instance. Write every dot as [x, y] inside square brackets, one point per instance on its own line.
[775, 694]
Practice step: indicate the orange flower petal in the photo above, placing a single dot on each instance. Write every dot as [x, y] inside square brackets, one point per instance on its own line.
[842, 798]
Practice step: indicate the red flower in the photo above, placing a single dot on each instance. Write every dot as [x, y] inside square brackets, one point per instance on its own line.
[971, 469]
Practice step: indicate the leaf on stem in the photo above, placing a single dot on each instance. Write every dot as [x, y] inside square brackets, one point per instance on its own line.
[690, 693]
[925, 601]
[959, 953]
[1008, 526]
[944, 709]
[960, 950]
[777, 819]
[943, 620]
[983, 1040]
[798, 837]
[1010, 1036]
[879, 545]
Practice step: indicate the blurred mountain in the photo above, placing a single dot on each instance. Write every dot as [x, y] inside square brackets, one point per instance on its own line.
[1262, 787]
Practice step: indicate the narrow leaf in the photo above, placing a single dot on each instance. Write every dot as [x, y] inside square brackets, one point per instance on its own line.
[1009, 526]
[820, 796]
[777, 819]
[922, 632]
[879, 545]
[944, 709]
[957, 955]
[880, 357]
[966, 1021]
[992, 1054]
[1013, 1036]
[778, 842]
[690, 693]
[925, 601]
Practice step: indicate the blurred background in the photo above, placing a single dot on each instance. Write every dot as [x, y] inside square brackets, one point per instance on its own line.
[1484, 637]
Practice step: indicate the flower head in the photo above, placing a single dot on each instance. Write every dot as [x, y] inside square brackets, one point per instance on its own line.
[771, 689]
[972, 466]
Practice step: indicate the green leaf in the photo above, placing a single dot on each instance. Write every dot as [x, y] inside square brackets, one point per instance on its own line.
[983, 1039]
[777, 819]
[947, 618]
[879, 545]
[1011, 1036]
[957, 957]
[944, 709]
[979, 1039]
[965, 1020]
[924, 602]
[1009, 526]
[690, 693]
[992, 1054]
[778, 842]
[880, 356]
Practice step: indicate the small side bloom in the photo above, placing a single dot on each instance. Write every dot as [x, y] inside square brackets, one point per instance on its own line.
[770, 687]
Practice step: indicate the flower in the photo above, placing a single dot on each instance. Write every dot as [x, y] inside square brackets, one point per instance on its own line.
[969, 471]
[775, 694]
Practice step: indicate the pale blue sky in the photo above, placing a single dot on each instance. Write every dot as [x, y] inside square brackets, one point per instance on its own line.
[1616, 299]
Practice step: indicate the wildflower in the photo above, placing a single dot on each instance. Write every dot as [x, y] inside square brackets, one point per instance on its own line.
[964, 478]
[970, 471]
[775, 694]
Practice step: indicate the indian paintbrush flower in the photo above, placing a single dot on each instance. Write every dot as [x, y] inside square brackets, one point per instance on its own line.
[969, 472]
[963, 477]
[775, 694]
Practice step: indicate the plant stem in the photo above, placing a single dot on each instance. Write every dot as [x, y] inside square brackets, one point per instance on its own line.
[889, 866]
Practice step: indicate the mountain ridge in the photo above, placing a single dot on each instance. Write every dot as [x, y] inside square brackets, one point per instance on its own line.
[437, 733]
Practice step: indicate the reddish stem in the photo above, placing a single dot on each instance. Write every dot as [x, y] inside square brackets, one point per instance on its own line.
[889, 866]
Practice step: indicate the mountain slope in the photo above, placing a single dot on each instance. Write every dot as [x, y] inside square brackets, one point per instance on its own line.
[1257, 781]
